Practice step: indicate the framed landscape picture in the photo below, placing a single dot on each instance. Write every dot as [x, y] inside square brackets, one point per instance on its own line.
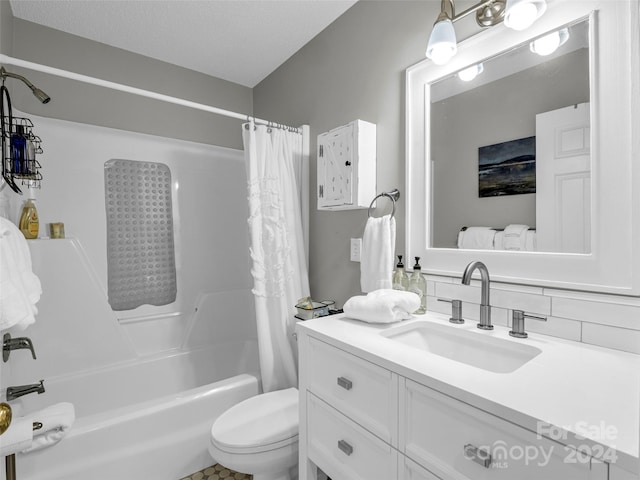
[507, 168]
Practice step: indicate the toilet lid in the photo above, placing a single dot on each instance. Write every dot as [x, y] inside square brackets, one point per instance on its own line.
[260, 423]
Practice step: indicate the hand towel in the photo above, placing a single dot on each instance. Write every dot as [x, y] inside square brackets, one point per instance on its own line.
[477, 238]
[17, 437]
[20, 288]
[378, 250]
[56, 421]
[515, 237]
[382, 306]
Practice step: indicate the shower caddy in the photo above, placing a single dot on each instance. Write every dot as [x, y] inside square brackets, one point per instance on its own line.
[27, 170]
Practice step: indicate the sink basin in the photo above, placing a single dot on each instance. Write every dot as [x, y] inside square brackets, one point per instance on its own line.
[477, 349]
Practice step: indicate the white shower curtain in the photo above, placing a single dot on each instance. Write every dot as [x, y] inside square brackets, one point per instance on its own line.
[273, 158]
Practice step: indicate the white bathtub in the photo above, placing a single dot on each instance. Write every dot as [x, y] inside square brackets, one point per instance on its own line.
[147, 420]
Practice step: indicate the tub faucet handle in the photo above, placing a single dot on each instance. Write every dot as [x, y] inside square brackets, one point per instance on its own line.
[17, 343]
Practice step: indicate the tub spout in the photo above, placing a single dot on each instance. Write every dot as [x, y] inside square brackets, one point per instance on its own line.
[20, 390]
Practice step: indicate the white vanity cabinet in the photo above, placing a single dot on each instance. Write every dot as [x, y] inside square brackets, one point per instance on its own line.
[361, 421]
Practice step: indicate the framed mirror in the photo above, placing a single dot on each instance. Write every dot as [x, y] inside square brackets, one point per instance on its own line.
[528, 167]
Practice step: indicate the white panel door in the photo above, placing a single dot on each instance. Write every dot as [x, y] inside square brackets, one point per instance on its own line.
[563, 180]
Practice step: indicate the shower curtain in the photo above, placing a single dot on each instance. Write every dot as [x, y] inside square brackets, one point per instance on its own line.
[273, 158]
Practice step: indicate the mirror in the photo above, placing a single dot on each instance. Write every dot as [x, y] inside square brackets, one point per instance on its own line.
[607, 259]
[510, 149]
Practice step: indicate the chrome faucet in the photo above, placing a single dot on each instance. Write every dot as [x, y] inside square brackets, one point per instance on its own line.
[20, 390]
[485, 307]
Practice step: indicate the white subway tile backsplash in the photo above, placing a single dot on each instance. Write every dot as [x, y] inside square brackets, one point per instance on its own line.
[611, 337]
[556, 327]
[466, 293]
[535, 304]
[616, 315]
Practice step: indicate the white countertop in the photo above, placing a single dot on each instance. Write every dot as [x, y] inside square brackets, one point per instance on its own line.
[591, 393]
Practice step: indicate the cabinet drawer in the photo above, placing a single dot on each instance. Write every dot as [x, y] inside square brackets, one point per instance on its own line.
[456, 441]
[365, 392]
[410, 470]
[343, 449]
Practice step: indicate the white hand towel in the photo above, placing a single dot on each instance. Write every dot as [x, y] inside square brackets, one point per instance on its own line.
[56, 421]
[477, 238]
[515, 237]
[20, 289]
[378, 249]
[382, 306]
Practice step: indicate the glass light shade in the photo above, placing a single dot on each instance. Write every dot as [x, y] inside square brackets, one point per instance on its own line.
[520, 14]
[442, 42]
[470, 73]
[549, 43]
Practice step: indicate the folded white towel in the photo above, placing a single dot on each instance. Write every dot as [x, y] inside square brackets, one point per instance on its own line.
[18, 436]
[56, 421]
[382, 306]
[515, 237]
[476, 238]
[378, 249]
[20, 288]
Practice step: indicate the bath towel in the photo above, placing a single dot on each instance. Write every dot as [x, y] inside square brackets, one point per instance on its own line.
[56, 421]
[515, 237]
[382, 306]
[20, 288]
[477, 238]
[378, 250]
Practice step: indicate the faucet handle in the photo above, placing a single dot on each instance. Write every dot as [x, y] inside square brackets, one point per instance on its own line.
[456, 310]
[17, 343]
[518, 323]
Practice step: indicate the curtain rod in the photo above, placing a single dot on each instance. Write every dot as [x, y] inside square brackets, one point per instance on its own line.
[137, 91]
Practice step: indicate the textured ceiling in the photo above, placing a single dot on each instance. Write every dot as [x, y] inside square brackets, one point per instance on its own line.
[242, 41]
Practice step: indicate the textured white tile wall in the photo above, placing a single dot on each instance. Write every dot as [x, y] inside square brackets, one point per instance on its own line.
[610, 321]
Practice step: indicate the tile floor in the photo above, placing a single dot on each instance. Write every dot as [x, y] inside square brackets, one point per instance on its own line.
[217, 472]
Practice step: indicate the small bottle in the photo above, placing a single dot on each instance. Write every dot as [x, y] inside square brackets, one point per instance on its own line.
[30, 156]
[400, 280]
[18, 151]
[29, 222]
[418, 285]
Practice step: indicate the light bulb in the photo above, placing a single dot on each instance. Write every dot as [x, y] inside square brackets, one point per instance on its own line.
[549, 43]
[520, 14]
[470, 73]
[442, 42]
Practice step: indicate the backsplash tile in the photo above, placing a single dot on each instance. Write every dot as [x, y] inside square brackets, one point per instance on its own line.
[611, 321]
[611, 337]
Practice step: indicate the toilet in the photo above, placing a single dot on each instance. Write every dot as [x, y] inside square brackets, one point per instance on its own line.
[259, 436]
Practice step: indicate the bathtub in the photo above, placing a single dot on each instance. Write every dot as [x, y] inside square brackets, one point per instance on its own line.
[150, 419]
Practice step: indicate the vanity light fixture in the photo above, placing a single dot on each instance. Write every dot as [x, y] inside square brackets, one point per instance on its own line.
[516, 14]
[549, 43]
[471, 72]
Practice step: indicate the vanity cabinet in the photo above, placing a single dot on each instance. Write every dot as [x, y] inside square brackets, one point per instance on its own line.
[360, 421]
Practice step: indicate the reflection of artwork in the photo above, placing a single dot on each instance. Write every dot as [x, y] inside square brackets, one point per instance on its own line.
[507, 168]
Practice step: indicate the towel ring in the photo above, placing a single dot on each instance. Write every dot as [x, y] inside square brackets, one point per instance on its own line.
[393, 195]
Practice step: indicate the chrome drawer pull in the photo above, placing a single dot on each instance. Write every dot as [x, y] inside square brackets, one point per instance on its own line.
[478, 455]
[345, 383]
[345, 447]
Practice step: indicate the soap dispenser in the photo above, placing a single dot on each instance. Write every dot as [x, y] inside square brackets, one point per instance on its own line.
[29, 222]
[400, 280]
[418, 285]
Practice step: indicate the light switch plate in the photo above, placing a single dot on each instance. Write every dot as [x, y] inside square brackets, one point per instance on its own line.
[356, 248]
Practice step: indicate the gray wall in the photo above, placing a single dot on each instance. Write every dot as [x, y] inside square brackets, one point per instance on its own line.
[353, 69]
[497, 112]
[84, 103]
[6, 27]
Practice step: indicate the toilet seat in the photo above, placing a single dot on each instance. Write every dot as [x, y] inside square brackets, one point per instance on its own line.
[259, 424]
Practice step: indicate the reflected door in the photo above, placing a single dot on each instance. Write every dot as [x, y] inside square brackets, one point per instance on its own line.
[563, 180]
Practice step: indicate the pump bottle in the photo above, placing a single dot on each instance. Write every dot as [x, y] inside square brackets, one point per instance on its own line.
[400, 280]
[418, 285]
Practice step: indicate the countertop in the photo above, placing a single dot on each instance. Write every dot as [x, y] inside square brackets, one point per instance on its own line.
[585, 396]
